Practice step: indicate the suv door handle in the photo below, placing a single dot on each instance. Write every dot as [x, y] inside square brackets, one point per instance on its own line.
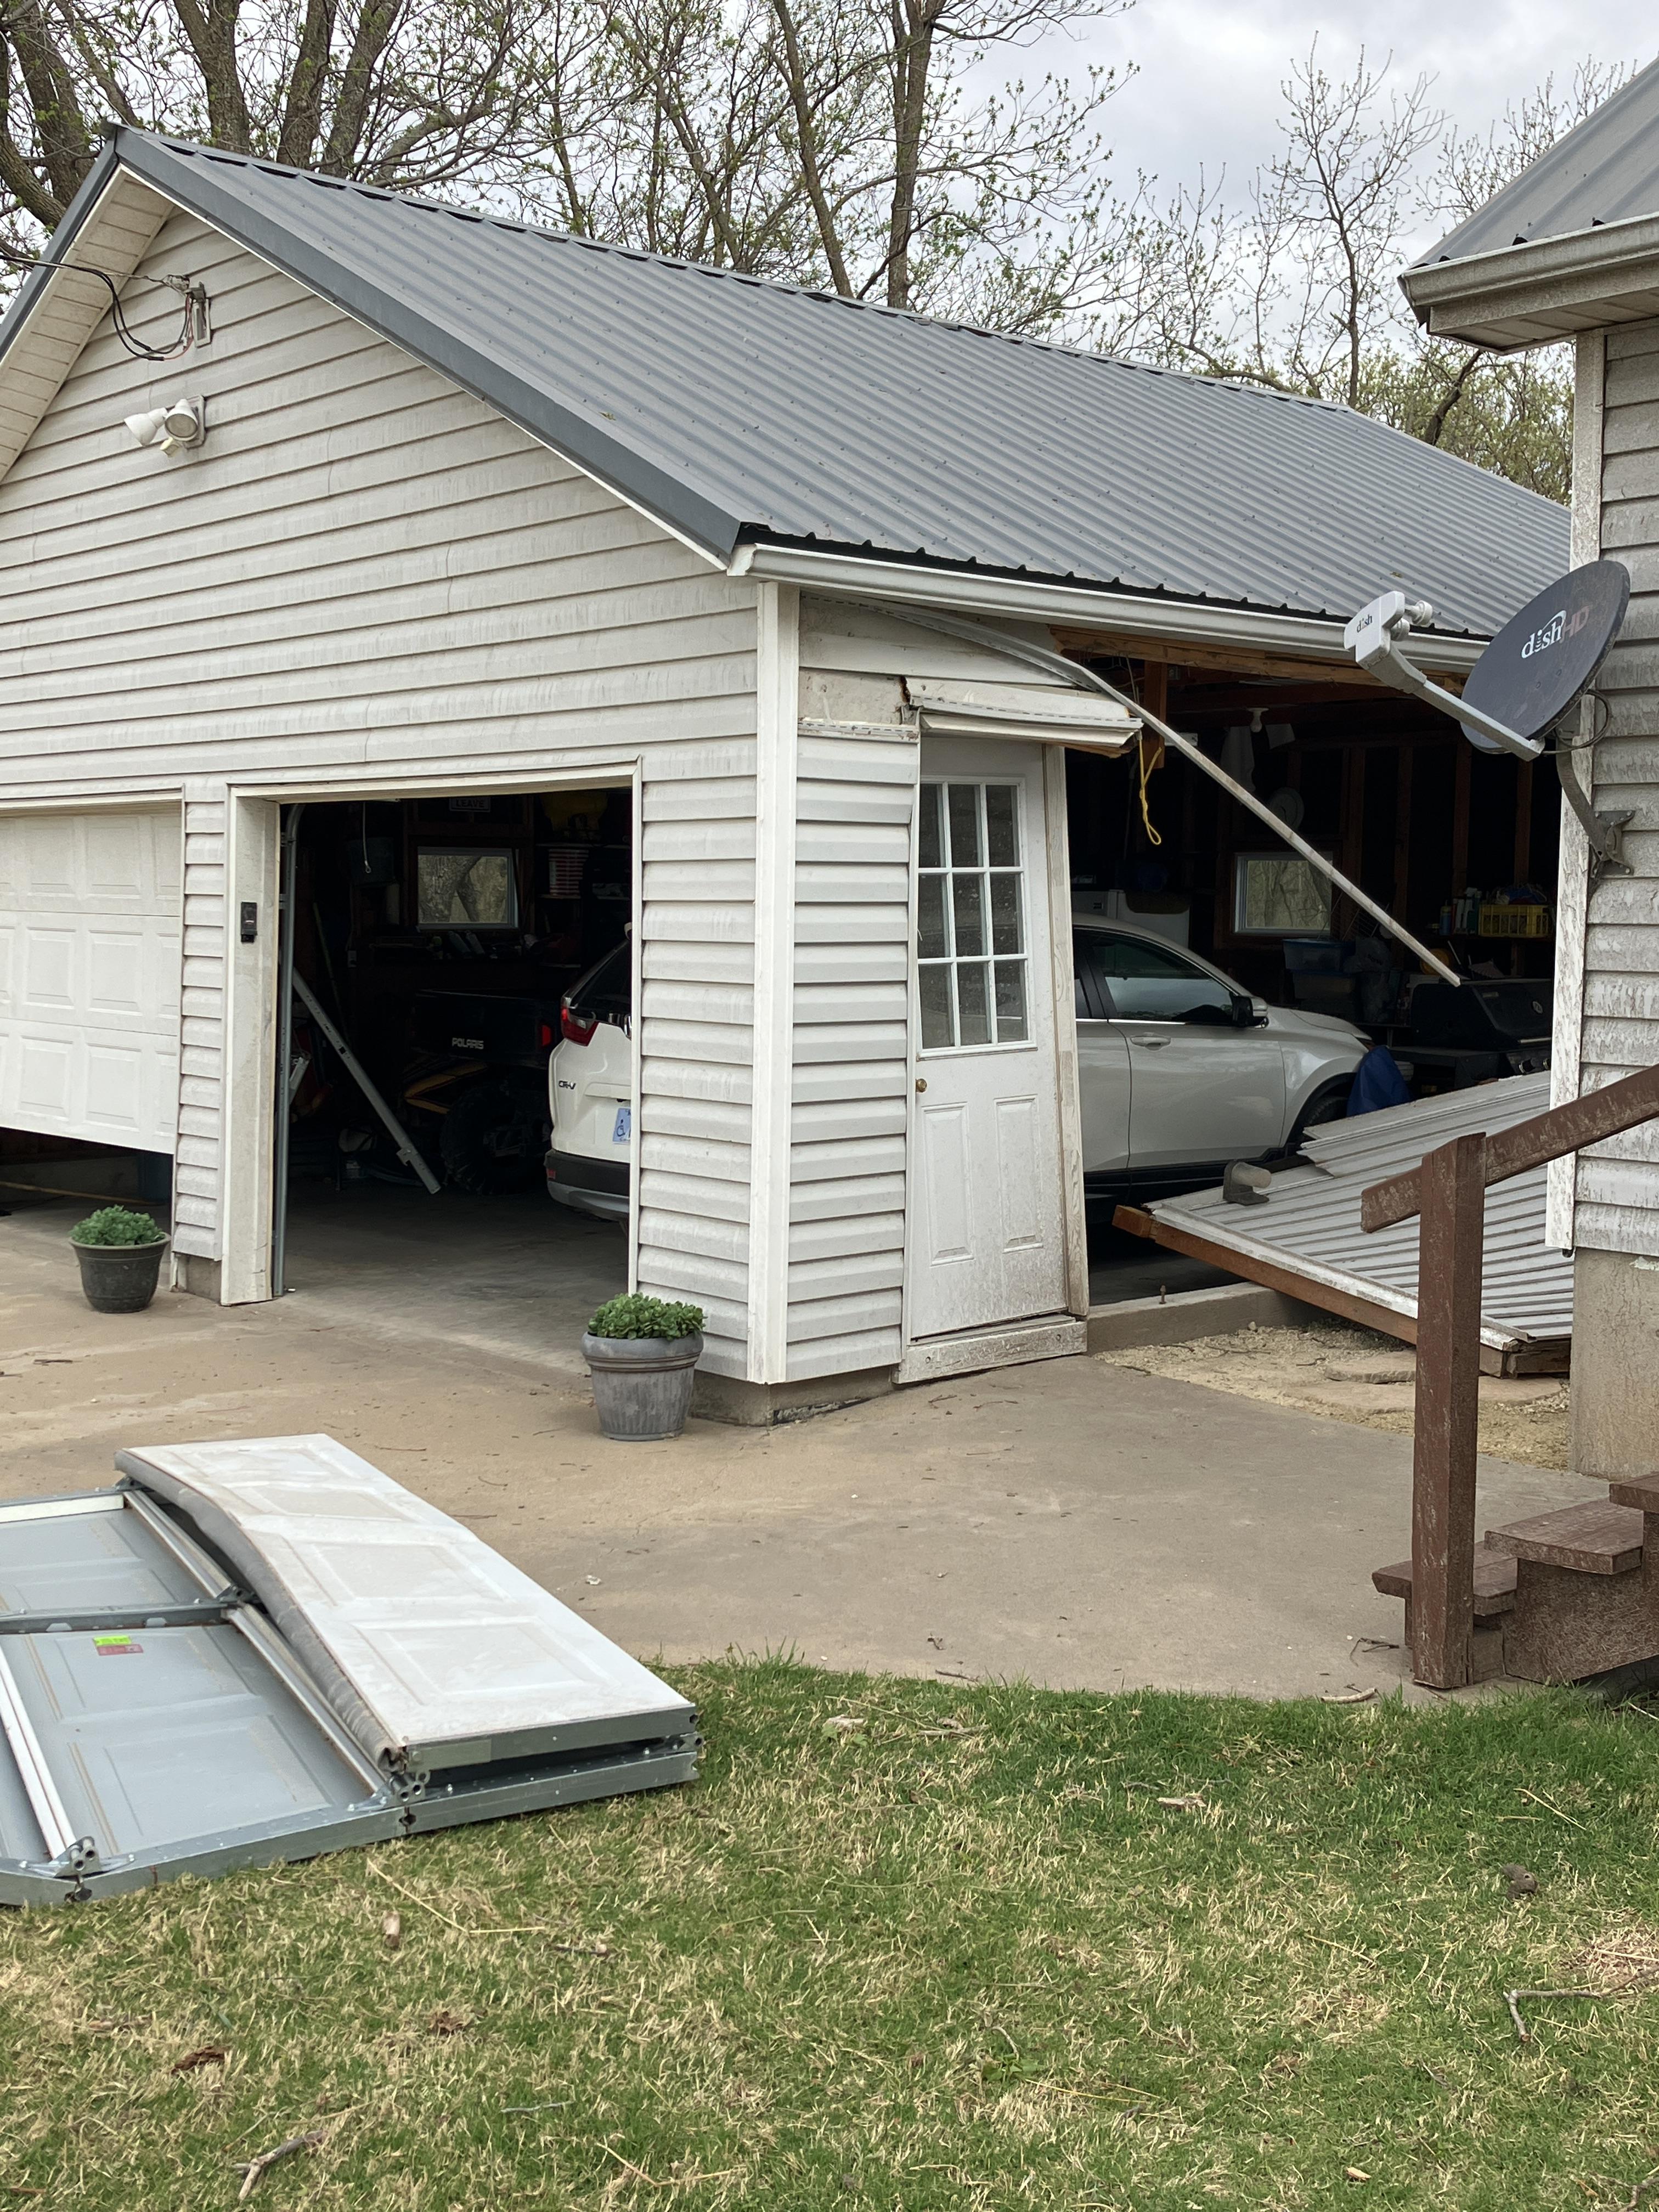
[1149, 1043]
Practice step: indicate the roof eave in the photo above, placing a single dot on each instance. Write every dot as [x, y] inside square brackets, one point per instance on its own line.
[1547, 289]
[35, 286]
[1014, 598]
[190, 183]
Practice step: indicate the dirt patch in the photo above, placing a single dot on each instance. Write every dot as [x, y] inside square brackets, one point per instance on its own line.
[1354, 1375]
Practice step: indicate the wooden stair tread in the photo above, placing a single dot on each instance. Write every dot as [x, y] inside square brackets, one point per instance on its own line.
[1495, 1576]
[1590, 1540]
[1641, 1491]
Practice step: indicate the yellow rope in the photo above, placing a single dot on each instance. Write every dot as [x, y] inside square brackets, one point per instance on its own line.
[1153, 837]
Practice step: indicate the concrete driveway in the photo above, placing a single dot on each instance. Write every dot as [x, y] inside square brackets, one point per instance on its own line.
[1078, 1523]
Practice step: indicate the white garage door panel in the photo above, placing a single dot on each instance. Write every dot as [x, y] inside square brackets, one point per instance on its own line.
[90, 942]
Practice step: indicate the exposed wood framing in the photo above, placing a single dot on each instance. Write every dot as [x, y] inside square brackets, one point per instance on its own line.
[1238, 659]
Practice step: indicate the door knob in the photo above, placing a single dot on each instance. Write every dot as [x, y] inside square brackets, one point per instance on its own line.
[921, 1083]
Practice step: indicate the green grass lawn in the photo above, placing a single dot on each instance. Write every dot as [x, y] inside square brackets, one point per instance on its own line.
[956, 1954]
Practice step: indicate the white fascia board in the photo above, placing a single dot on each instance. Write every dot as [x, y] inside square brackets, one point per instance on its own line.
[1012, 600]
[1553, 285]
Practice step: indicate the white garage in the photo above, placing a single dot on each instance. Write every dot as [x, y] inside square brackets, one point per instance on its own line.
[90, 976]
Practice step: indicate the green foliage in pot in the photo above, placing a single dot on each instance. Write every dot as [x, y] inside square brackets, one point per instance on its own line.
[636, 1315]
[117, 1225]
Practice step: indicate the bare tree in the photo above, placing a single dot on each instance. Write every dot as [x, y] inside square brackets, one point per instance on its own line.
[392, 91]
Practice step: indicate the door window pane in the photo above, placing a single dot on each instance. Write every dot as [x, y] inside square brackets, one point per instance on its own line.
[932, 940]
[937, 1028]
[969, 906]
[967, 895]
[964, 825]
[1002, 825]
[973, 1007]
[1004, 913]
[1010, 1001]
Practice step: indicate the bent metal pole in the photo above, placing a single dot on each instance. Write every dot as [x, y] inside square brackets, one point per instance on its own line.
[1084, 679]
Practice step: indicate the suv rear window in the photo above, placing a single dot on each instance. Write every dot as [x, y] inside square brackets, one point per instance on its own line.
[607, 990]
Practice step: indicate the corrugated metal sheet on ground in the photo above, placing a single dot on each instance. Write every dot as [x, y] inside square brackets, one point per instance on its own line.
[733, 408]
[1606, 171]
[1311, 1223]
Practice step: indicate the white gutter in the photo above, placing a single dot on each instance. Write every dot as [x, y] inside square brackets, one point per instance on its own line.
[1562, 272]
[1084, 679]
[1010, 599]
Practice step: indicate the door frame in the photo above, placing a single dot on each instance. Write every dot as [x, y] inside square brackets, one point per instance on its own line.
[924, 1357]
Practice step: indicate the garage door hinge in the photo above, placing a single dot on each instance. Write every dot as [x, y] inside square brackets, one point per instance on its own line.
[75, 1859]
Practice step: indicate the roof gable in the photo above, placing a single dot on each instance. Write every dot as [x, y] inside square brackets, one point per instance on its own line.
[734, 410]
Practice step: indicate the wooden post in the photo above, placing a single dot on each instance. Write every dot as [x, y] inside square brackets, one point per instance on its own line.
[1449, 1241]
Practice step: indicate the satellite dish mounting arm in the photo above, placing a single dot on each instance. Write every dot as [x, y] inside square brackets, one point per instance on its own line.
[1374, 636]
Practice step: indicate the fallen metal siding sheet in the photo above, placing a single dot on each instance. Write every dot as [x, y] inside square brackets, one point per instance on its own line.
[735, 408]
[1312, 1219]
[457, 1656]
[1606, 171]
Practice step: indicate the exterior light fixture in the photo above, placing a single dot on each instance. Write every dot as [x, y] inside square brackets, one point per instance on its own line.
[177, 428]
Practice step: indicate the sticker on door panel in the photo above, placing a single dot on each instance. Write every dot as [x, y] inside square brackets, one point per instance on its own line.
[945, 1150]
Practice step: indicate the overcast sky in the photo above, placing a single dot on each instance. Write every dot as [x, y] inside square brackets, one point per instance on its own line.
[1207, 91]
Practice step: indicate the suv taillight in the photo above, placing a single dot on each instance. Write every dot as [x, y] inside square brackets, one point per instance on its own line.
[576, 1028]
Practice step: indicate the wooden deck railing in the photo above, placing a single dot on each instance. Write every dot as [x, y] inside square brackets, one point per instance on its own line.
[1449, 1193]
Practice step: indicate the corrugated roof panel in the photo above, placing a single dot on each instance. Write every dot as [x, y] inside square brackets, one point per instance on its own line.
[735, 408]
[1312, 1218]
[1605, 171]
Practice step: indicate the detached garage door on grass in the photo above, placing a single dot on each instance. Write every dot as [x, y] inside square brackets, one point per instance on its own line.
[89, 940]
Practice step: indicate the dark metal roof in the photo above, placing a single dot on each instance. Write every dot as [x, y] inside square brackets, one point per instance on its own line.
[1605, 171]
[734, 409]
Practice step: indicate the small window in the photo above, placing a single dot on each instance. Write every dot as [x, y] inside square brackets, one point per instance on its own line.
[1147, 982]
[970, 918]
[1279, 895]
[466, 888]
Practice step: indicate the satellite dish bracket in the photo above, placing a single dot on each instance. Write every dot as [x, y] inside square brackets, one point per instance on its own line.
[1374, 635]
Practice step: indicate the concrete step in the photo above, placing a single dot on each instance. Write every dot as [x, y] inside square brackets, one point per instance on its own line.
[1588, 1539]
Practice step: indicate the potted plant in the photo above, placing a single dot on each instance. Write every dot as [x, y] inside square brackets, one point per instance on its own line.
[641, 1353]
[120, 1255]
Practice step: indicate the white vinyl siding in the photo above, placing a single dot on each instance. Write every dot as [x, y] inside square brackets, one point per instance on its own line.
[367, 579]
[694, 1036]
[856, 798]
[1617, 1017]
[852, 1074]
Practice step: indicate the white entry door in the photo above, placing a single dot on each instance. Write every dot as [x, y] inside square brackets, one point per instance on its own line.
[90, 937]
[987, 1238]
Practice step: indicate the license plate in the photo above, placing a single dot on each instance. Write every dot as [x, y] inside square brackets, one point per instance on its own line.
[624, 1130]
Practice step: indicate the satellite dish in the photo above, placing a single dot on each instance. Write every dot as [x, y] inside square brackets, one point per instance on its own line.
[1540, 663]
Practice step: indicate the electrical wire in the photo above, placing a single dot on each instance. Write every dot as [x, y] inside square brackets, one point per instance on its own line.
[196, 328]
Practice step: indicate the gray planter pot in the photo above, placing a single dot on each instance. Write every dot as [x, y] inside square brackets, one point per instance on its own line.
[641, 1384]
[119, 1277]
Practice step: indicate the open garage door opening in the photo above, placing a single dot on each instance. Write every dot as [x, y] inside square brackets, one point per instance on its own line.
[446, 953]
[1225, 993]
[89, 963]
